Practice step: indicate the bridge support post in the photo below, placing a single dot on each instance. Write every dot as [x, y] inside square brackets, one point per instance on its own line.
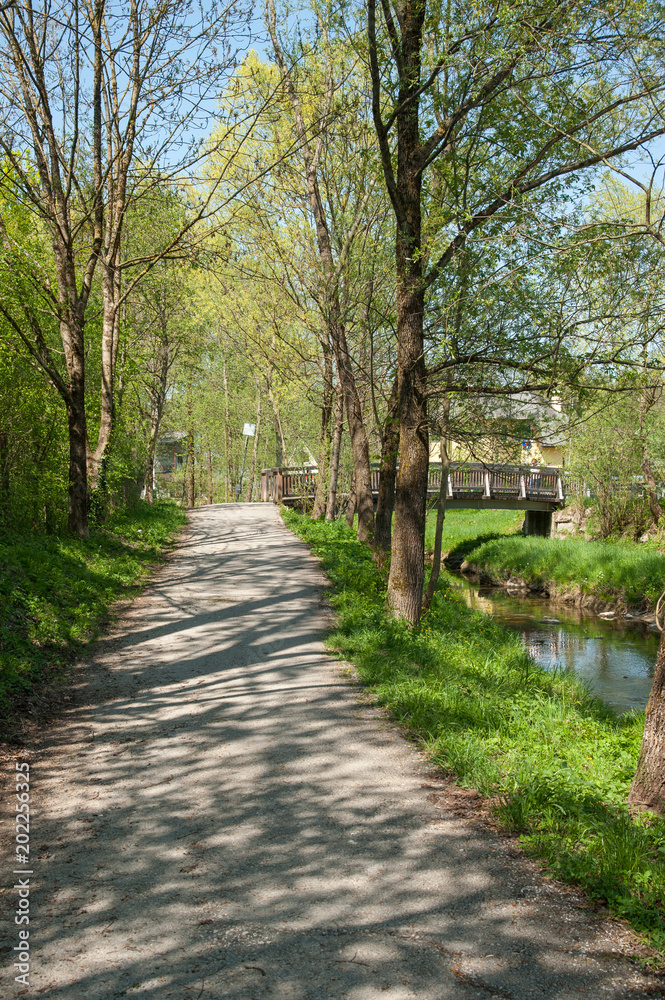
[538, 522]
[278, 486]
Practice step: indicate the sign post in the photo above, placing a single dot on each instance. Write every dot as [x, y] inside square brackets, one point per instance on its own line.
[249, 430]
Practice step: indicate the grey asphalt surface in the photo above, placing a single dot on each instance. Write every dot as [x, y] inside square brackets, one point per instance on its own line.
[222, 816]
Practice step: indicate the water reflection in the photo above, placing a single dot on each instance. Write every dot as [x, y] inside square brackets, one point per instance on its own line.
[616, 658]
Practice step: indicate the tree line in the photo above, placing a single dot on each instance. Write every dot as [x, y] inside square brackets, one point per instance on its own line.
[391, 214]
[352, 228]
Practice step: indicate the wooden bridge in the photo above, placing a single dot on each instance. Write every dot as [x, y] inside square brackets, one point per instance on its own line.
[470, 484]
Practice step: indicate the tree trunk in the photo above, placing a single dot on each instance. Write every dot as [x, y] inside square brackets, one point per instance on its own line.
[210, 479]
[229, 436]
[319, 508]
[357, 434]
[255, 445]
[652, 487]
[110, 336]
[336, 448]
[387, 475]
[280, 444]
[191, 483]
[157, 399]
[155, 415]
[330, 289]
[73, 284]
[407, 565]
[440, 515]
[121, 379]
[351, 505]
[648, 788]
[72, 389]
[77, 516]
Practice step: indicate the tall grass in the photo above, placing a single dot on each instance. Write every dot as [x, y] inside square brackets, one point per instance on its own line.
[55, 592]
[610, 570]
[557, 760]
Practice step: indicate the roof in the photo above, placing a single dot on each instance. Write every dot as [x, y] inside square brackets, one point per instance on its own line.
[549, 423]
[171, 437]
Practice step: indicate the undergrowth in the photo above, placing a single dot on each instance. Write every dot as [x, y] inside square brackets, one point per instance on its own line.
[56, 592]
[556, 761]
[609, 570]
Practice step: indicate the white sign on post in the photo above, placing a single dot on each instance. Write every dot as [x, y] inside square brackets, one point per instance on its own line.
[249, 430]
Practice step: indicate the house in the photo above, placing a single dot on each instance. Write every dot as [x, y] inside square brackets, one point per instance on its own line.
[526, 429]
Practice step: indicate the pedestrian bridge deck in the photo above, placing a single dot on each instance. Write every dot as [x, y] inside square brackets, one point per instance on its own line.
[470, 485]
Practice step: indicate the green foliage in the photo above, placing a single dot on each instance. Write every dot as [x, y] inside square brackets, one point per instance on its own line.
[557, 761]
[611, 448]
[33, 446]
[56, 592]
[607, 569]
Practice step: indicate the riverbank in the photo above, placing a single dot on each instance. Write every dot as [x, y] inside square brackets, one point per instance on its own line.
[601, 576]
[463, 529]
[552, 762]
[55, 595]
[614, 655]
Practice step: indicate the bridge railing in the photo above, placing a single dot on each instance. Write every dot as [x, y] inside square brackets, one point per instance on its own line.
[465, 480]
[501, 482]
[288, 481]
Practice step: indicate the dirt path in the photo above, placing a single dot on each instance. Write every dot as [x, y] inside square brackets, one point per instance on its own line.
[220, 817]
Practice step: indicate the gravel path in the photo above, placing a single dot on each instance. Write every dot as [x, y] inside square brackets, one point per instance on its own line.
[220, 816]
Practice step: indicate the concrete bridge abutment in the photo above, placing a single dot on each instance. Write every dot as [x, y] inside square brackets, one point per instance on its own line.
[537, 522]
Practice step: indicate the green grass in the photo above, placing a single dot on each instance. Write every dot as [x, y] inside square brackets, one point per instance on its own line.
[56, 592]
[463, 526]
[610, 570]
[556, 761]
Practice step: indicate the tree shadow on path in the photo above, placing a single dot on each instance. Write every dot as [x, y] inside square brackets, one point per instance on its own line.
[221, 817]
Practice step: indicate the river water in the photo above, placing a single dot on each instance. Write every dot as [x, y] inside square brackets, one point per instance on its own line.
[616, 658]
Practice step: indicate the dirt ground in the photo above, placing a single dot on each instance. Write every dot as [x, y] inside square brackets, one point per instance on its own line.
[220, 814]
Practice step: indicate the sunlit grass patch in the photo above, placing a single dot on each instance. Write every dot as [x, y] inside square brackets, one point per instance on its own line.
[462, 526]
[558, 760]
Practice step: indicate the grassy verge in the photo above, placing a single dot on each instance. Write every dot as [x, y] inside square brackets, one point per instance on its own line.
[56, 592]
[463, 528]
[609, 570]
[557, 762]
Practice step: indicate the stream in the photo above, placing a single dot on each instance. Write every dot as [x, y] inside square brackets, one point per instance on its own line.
[616, 658]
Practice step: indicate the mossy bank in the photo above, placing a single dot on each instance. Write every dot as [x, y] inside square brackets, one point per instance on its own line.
[596, 575]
